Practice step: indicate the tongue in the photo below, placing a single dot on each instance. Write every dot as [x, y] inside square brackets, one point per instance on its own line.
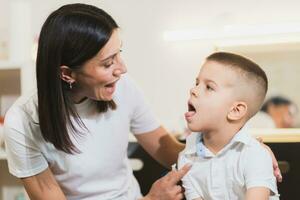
[189, 114]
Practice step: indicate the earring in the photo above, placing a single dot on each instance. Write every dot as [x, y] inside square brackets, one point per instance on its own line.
[70, 85]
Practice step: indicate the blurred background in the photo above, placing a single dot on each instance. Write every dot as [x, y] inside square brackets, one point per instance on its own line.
[164, 44]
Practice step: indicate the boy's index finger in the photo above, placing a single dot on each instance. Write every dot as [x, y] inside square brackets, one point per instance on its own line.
[176, 176]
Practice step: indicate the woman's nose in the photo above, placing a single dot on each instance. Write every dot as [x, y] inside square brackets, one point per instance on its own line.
[121, 68]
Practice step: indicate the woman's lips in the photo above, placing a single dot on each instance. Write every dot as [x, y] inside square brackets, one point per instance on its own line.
[111, 87]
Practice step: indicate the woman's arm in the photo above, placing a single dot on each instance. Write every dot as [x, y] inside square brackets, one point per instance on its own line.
[162, 146]
[43, 186]
[258, 193]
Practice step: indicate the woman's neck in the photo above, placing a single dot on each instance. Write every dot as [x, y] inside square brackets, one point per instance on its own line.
[77, 97]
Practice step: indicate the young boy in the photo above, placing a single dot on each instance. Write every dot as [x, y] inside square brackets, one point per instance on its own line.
[228, 164]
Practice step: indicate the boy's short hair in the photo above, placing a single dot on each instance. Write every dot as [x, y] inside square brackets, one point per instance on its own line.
[249, 71]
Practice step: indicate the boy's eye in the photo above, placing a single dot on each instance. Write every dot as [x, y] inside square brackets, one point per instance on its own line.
[209, 88]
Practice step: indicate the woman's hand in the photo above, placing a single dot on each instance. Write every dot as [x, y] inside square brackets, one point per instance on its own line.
[276, 169]
[166, 188]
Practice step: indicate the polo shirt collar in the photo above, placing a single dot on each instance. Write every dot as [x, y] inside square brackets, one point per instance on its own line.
[200, 150]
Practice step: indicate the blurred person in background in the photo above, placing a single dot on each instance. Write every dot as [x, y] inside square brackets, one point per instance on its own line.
[282, 111]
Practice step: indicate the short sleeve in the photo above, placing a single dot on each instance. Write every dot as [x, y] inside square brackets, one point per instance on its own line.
[142, 118]
[258, 169]
[23, 155]
[191, 191]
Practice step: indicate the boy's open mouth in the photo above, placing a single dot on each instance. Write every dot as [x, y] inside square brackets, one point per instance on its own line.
[191, 112]
[191, 107]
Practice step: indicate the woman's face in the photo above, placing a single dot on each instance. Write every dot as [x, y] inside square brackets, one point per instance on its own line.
[98, 76]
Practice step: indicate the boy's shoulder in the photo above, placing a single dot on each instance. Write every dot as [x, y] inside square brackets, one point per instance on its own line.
[254, 147]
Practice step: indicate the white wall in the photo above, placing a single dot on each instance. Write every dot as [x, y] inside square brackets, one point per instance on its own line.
[166, 70]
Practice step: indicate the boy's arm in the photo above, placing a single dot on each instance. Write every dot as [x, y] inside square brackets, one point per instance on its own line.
[259, 179]
[257, 193]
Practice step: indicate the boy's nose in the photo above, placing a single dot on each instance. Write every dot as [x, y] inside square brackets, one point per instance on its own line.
[193, 92]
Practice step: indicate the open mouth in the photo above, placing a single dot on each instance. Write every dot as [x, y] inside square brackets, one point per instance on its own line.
[191, 112]
[112, 84]
[191, 108]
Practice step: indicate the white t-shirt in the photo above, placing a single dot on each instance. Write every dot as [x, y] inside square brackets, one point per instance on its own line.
[102, 169]
[240, 165]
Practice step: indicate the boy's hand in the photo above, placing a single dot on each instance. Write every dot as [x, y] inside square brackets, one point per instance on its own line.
[166, 187]
[276, 169]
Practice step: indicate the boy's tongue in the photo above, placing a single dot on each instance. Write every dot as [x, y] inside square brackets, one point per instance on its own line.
[189, 114]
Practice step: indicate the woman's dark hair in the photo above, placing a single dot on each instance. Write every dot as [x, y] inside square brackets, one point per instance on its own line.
[70, 36]
[276, 101]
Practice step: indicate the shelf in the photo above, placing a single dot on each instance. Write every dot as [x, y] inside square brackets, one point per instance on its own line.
[2, 154]
[287, 135]
[9, 65]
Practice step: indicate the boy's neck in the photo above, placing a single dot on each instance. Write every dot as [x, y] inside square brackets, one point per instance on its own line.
[216, 140]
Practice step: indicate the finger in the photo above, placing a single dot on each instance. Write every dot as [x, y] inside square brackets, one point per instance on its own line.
[176, 176]
[259, 139]
[178, 189]
[278, 175]
[276, 168]
[179, 196]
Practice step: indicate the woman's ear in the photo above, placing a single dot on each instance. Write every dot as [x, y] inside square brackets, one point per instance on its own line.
[237, 111]
[66, 74]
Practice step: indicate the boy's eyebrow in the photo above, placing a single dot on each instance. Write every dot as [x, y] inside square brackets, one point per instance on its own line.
[209, 80]
[206, 80]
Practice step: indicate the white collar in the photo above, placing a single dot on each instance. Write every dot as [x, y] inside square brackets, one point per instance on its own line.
[241, 136]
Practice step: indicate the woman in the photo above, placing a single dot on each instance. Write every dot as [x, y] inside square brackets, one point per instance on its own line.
[69, 139]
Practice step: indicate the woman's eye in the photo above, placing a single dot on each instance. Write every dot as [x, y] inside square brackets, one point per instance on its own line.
[108, 64]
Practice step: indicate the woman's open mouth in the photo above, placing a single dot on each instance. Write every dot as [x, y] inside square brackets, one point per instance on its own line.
[191, 112]
[110, 88]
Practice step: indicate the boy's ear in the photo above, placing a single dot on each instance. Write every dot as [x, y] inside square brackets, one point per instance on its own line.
[66, 74]
[237, 111]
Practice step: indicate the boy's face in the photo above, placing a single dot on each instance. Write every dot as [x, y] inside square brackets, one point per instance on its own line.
[212, 97]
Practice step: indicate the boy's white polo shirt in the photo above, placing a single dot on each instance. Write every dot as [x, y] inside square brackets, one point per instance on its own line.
[240, 165]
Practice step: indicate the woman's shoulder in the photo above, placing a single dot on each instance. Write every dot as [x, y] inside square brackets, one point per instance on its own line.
[26, 106]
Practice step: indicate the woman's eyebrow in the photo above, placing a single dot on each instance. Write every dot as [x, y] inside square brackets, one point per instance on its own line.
[109, 57]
